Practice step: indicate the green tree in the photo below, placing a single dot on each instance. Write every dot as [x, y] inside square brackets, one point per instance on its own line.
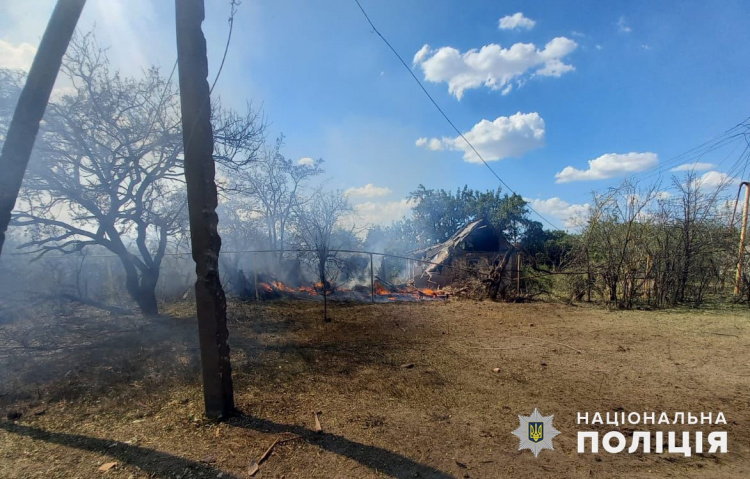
[438, 214]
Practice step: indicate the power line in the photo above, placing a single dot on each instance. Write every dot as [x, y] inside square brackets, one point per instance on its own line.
[697, 153]
[233, 4]
[375, 29]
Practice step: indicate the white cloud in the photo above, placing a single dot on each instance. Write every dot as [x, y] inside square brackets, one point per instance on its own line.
[431, 144]
[368, 191]
[555, 68]
[570, 214]
[493, 66]
[373, 212]
[16, 57]
[697, 166]
[306, 161]
[506, 137]
[715, 179]
[609, 165]
[421, 54]
[517, 20]
[622, 25]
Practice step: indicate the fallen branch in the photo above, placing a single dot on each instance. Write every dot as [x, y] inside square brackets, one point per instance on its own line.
[278, 441]
[255, 465]
[725, 334]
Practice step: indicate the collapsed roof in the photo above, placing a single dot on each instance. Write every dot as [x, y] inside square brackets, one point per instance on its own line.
[476, 237]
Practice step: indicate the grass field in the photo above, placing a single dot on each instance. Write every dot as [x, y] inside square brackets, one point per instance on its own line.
[404, 390]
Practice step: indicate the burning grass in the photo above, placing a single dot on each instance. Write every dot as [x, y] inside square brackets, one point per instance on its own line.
[380, 291]
[84, 402]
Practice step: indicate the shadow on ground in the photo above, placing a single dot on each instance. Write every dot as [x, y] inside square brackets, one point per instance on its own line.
[151, 461]
[376, 458]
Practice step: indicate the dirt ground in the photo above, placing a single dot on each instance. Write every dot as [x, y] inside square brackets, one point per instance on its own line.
[404, 390]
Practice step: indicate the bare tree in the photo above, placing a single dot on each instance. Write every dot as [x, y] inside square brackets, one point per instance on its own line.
[317, 223]
[657, 247]
[615, 239]
[238, 139]
[272, 188]
[11, 84]
[108, 170]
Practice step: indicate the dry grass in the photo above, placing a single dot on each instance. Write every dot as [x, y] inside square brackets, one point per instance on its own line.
[98, 388]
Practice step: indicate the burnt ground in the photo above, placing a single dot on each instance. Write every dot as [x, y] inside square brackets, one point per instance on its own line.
[93, 387]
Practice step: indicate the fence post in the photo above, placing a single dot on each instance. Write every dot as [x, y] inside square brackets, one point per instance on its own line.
[372, 280]
[255, 273]
[519, 259]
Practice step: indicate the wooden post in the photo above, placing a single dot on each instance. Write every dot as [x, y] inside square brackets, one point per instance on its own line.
[519, 258]
[255, 272]
[647, 278]
[24, 126]
[743, 233]
[200, 170]
[372, 280]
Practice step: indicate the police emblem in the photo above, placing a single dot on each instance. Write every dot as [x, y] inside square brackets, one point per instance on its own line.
[535, 432]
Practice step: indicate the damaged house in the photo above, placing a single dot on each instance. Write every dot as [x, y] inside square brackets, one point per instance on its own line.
[477, 246]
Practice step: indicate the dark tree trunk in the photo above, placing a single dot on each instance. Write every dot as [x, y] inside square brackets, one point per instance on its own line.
[613, 289]
[19, 141]
[141, 288]
[146, 300]
[197, 135]
[147, 294]
[496, 284]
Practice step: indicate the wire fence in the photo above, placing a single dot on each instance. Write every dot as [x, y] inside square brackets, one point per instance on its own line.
[248, 274]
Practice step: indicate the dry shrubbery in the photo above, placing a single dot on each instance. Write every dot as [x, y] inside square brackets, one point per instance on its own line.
[646, 248]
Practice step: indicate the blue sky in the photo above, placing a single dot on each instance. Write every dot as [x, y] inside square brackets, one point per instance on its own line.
[631, 84]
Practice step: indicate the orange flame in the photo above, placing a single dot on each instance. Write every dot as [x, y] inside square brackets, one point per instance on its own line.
[379, 289]
[309, 290]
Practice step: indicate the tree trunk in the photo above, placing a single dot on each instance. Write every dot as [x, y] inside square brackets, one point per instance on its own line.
[147, 294]
[218, 391]
[613, 289]
[19, 140]
[147, 302]
[496, 286]
[141, 288]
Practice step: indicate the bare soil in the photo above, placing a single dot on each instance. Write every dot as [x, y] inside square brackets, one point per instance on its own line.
[404, 390]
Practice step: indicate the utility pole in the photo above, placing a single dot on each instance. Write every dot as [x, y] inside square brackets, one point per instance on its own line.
[743, 234]
[200, 170]
[23, 128]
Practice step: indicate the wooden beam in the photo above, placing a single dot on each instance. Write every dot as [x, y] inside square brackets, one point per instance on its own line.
[200, 171]
[24, 126]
